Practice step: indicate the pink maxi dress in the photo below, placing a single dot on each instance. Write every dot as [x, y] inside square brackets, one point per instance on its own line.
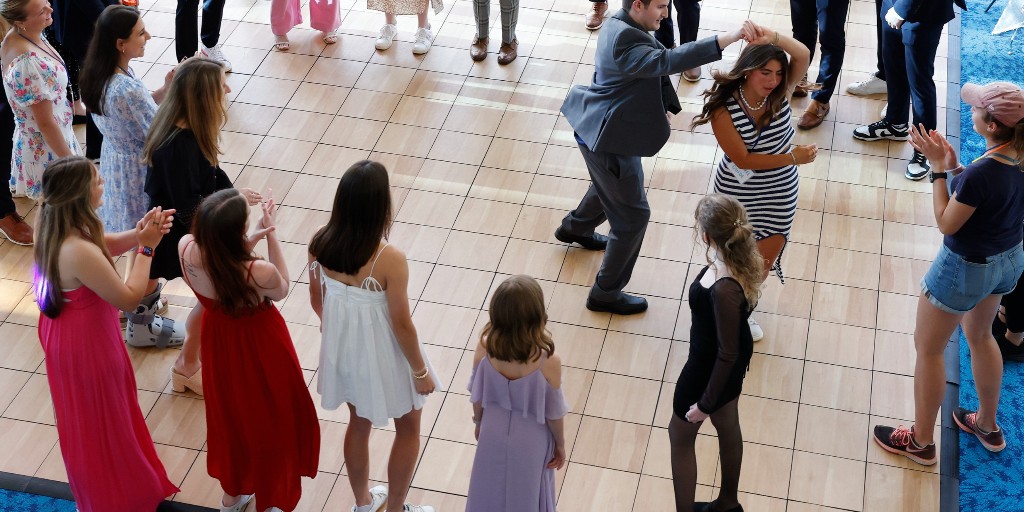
[109, 455]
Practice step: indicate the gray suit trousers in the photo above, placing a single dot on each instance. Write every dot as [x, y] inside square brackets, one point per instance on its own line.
[617, 194]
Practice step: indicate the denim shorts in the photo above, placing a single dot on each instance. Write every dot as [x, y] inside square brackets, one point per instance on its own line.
[956, 285]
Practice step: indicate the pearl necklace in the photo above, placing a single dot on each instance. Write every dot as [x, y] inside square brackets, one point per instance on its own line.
[759, 106]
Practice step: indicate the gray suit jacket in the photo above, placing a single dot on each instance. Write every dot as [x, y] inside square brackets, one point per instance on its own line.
[622, 111]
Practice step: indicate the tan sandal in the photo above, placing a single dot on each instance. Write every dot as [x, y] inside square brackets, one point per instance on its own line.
[329, 37]
[282, 44]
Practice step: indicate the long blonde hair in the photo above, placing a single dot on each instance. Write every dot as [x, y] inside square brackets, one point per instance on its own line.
[196, 99]
[724, 220]
[66, 210]
[517, 329]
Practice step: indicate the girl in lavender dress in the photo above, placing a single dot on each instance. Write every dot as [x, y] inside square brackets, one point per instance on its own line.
[518, 406]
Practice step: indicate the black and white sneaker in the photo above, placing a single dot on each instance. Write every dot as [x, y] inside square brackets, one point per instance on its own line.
[882, 130]
[918, 167]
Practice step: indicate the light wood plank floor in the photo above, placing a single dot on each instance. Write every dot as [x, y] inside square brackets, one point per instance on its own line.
[483, 168]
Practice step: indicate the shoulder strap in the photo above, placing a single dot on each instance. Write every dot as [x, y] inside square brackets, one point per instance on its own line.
[315, 268]
[374, 264]
[248, 272]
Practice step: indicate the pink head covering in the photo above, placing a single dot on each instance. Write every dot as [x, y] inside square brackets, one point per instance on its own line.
[1003, 100]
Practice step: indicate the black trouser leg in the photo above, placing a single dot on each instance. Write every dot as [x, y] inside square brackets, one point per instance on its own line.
[6, 147]
[804, 15]
[1013, 305]
[213, 14]
[878, 40]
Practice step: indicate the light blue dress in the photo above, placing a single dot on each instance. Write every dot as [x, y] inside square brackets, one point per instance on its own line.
[128, 109]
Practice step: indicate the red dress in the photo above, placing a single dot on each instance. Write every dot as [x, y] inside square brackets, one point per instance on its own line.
[108, 452]
[262, 430]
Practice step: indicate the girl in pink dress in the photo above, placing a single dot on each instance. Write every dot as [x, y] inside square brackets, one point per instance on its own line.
[109, 455]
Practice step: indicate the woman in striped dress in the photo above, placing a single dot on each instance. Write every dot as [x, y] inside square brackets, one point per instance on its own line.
[748, 108]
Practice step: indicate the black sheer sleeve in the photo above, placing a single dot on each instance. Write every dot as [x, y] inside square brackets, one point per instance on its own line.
[728, 303]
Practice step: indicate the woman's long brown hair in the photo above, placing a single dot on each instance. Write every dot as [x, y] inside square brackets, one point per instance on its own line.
[196, 99]
[517, 330]
[66, 211]
[724, 221]
[219, 231]
[360, 217]
[727, 83]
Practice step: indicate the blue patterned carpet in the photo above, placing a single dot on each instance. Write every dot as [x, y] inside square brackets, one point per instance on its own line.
[13, 501]
[993, 482]
[990, 482]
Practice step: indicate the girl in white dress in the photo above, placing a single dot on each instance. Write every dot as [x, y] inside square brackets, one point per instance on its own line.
[370, 356]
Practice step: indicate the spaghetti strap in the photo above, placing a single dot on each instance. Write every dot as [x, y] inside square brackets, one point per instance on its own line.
[248, 272]
[184, 273]
[316, 267]
[371, 283]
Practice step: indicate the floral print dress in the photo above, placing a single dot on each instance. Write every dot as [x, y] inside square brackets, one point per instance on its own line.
[29, 79]
[128, 110]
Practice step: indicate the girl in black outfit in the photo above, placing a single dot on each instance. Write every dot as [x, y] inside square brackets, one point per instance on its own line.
[721, 299]
[181, 150]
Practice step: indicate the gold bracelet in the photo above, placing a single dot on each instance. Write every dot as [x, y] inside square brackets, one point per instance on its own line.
[421, 375]
[776, 38]
[792, 154]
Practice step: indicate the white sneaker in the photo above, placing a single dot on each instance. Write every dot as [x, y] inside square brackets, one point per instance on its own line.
[386, 37]
[872, 85]
[378, 497]
[237, 507]
[418, 508]
[755, 330]
[424, 38]
[215, 53]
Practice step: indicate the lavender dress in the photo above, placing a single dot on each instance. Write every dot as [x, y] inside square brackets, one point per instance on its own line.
[509, 472]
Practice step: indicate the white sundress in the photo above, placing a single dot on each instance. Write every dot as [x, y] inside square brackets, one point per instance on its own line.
[361, 362]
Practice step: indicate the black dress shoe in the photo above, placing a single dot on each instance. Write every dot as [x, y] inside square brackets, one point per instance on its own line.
[624, 305]
[702, 506]
[594, 242]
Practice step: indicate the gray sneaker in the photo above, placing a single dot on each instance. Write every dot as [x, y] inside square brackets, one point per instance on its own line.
[873, 85]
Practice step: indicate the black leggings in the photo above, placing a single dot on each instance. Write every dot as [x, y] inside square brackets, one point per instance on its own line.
[1013, 304]
[682, 437]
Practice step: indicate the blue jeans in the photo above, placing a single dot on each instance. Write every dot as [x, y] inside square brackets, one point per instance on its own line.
[828, 18]
[956, 285]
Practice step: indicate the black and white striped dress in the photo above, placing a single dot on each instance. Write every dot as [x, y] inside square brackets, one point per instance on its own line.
[770, 195]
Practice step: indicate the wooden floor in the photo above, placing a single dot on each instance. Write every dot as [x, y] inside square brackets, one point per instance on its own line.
[483, 168]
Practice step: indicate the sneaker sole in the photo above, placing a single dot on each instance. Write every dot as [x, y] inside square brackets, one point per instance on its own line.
[865, 93]
[913, 177]
[13, 241]
[989, 447]
[883, 137]
[919, 460]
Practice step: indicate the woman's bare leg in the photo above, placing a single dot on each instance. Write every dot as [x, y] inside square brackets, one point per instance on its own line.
[357, 456]
[188, 362]
[931, 333]
[986, 361]
[404, 453]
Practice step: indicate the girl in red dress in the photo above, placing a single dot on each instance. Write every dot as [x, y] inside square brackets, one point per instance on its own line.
[262, 429]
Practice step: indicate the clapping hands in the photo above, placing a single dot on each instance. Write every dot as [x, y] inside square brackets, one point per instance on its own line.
[153, 226]
[268, 221]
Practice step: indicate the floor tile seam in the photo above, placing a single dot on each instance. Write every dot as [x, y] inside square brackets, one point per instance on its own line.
[3, 413]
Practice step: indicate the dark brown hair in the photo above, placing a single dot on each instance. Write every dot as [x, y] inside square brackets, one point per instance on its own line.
[1012, 134]
[116, 22]
[361, 216]
[67, 209]
[752, 58]
[517, 329]
[219, 231]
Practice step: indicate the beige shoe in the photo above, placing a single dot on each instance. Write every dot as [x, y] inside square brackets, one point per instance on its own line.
[595, 18]
[478, 50]
[814, 115]
[180, 382]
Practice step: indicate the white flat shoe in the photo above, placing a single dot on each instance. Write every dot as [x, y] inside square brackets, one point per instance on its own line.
[756, 331]
[237, 507]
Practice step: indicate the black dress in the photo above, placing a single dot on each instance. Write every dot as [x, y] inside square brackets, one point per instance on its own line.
[720, 347]
[180, 177]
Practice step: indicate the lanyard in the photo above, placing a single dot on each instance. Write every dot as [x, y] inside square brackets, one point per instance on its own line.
[44, 50]
[126, 71]
[995, 149]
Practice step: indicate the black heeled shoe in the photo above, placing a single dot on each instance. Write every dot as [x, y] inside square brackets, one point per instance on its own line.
[703, 506]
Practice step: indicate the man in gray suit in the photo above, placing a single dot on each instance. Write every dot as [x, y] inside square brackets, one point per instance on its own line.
[621, 117]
